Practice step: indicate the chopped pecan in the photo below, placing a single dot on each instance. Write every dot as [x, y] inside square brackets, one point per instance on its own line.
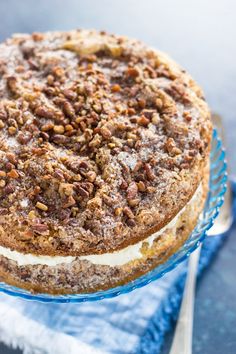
[141, 186]
[128, 212]
[12, 84]
[150, 174]
[2, 183]
[143, 120]
[66, 189]
[59, 139]
[4, 211]
[82, 191]
[69, 202]
[132, 190]
[24, 137]
[106, 133]
[41, 206]
[40, 228]
[13, 174]
[91, 176]
[132, 72]
[133, 202]
[43, 111]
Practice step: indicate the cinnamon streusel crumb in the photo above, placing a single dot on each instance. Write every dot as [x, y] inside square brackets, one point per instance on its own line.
[96, 132]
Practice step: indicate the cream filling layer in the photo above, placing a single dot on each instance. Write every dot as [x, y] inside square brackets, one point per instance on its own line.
[116, 258]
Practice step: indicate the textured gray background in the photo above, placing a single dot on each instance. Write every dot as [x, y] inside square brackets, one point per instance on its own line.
[199, 34]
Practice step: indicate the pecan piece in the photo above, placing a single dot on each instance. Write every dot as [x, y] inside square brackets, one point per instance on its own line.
[82, 192]
[150, 175]
[69, 202]
[132, 190]
[24, 138]
[44, 112]
[40, 228]
[128, 212]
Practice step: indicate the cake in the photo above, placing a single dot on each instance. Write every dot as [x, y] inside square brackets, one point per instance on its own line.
[104, 160]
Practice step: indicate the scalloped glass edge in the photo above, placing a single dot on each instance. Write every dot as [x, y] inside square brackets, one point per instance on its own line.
[218, 186]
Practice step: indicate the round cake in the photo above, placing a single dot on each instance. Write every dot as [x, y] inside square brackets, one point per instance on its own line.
[104, 160]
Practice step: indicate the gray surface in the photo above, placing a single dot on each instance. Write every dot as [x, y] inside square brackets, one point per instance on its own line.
[200, 35]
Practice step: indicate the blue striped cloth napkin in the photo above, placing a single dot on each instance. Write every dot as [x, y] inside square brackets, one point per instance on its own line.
[134, 323]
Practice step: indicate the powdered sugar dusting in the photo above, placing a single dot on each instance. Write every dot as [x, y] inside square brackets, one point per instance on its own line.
[24, 203]
[128, 159]
[12, 142]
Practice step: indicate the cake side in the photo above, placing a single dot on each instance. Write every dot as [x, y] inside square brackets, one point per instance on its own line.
[103, 141]
[80, 276]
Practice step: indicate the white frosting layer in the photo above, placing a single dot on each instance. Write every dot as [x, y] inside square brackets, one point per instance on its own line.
[116, 258]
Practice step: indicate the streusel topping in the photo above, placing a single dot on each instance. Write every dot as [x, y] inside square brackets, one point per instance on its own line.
[99, 136]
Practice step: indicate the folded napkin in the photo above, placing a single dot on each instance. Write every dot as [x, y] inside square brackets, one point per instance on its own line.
[132, 323]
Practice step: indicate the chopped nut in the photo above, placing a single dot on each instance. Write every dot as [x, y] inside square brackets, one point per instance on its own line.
[3, 174]
[68, 109]
[3, 211]
[40, 228]
[9, 166]
[12, 130]
[131, 222]
[141, 186]
[37, 37]
[132, 72]
[132, 190]
[32, 214]
[172, 148]
[59, 129]
[105, 133]
[150, 175]
[159, 103]
[71, 95]
[9, 189]
[91, 176]
[58, 71]
[12, 84]
[66, 189]
[115, 88]
[138, 166]
[12, 157]
[69, 202]
[128, 212]
[133, 202]
[123, 184]
[118, 211]
[13, 174]
[41, 206]
[2, 125]
[47, 127]
[59, 174]
[155, 119]
[24, 138]
[43, 111]
[142, 102]
[143, 121]
[95, 203]
[68, 127]
[150, 189]
[59, 139]
[2, 183]
[82, 191]
[39, 151]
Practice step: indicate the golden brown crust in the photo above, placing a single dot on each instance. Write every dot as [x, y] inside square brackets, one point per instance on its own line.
[103, 140]
[83, 276]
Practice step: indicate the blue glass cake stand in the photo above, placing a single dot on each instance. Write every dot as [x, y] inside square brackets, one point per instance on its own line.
[218, 179]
